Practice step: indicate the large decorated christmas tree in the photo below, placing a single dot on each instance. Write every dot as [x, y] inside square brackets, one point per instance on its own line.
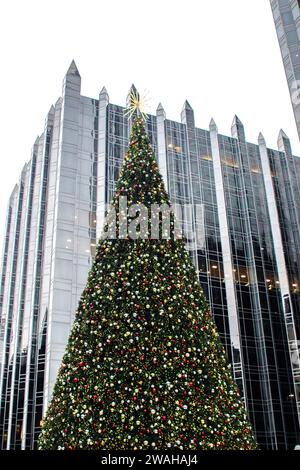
[144, 366]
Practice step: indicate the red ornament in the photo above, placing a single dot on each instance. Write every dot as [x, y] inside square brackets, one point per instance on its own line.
[76, 380]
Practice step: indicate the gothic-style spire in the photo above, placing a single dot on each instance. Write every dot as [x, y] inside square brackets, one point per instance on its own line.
[261, 139]
[283, 143]
[160, 111]
[132, 92]
[73, 70]
[187, 106]
[213, 126]
[237, 129]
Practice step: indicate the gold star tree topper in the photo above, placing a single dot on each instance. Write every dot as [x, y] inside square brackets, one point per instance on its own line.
[137, 104]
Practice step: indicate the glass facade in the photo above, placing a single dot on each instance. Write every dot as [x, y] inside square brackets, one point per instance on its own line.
[286, 15]
[241, 199]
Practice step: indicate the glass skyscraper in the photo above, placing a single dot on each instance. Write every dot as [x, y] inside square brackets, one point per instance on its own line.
[247, 252]
[286, 15]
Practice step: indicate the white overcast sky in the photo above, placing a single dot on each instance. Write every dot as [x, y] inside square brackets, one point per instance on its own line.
[221, 55]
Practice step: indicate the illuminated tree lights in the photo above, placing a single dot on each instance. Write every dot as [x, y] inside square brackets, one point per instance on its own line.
[144, 367]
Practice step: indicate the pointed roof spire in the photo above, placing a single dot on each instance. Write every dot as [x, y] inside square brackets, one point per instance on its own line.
[160, 111]
[12, 194]
[103, 91]
[261, 139]
[132, 91]
[187, 106]
[283, 143]
[282, 135]
[73, 70]
[133, 103]
[103, 95]
[236, 121]
[213, 126]
[237, 129]
[50, 116]
[58, 102]
[187, 115]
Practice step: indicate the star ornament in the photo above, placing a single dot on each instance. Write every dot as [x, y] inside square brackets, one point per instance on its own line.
[137, 104]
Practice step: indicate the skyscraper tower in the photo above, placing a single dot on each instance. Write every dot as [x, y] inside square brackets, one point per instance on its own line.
[286, 15]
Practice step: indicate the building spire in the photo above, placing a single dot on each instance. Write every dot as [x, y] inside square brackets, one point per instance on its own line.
[213, 126]
[58, 102]
[160, 111]
[261, 139]
[187, 115]
[132, 92]
[73, 70]
[103, 91]
[283, 143]
[187, 106]
[103, 95]
[72, 82]
[236, 121]
[282, 135]
[237, 129]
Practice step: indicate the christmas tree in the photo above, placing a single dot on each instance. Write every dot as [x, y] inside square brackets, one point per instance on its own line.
[144, 367]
